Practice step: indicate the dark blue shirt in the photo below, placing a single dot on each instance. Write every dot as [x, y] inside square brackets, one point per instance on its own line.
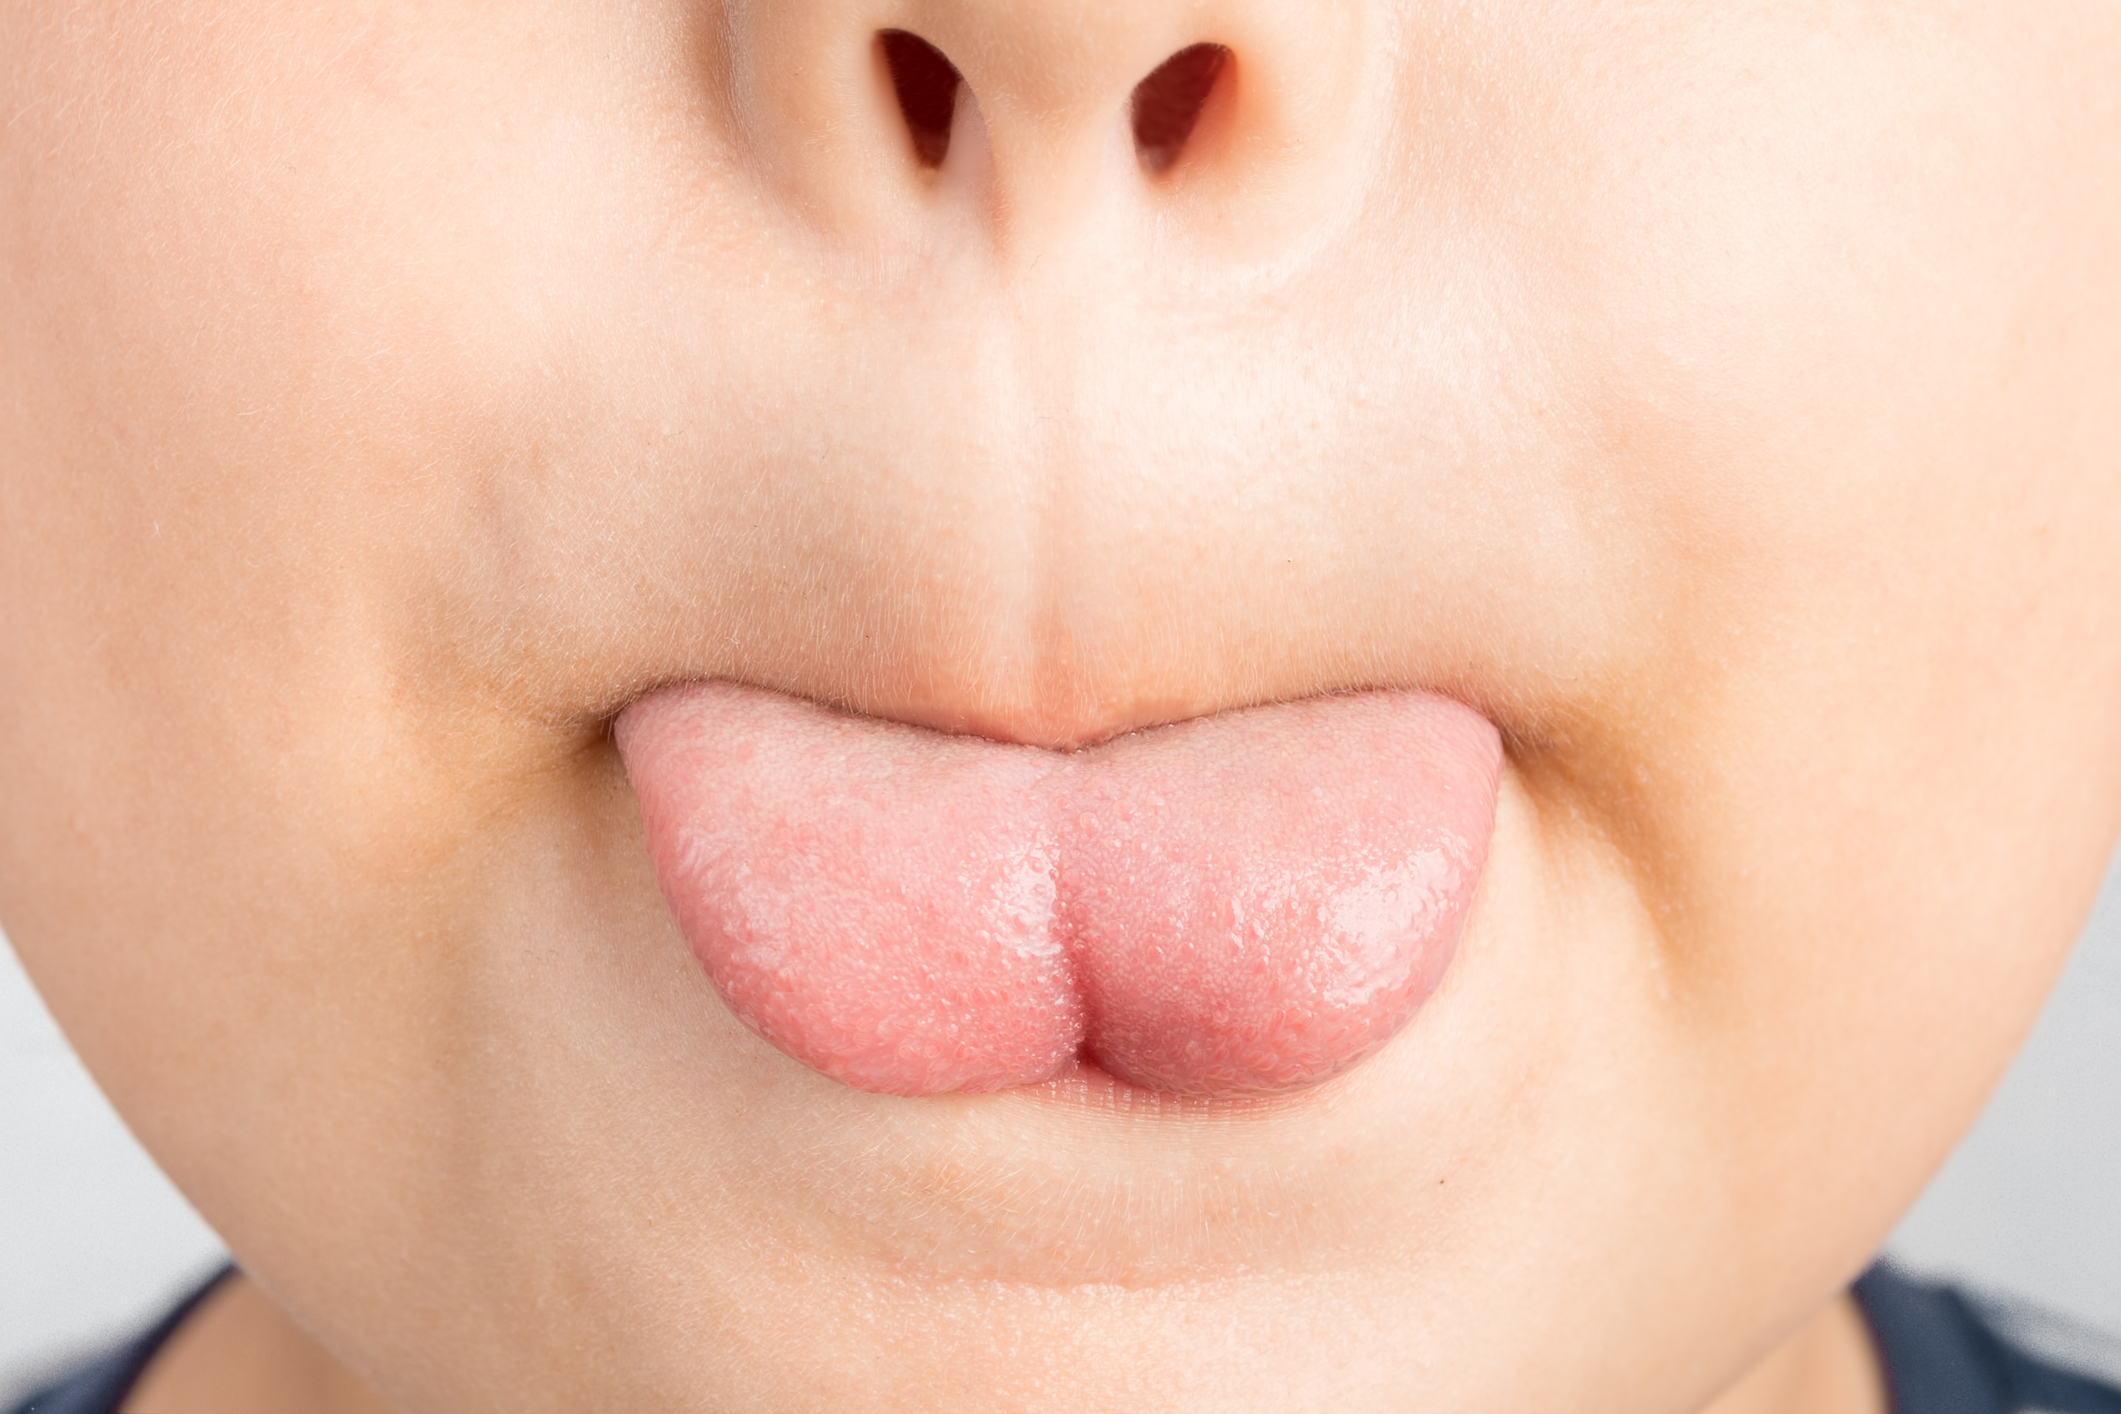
[1943, 1352]
[99, 1385]
[1947, 1353]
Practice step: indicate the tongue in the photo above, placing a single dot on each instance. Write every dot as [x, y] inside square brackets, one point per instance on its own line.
[1242, 903]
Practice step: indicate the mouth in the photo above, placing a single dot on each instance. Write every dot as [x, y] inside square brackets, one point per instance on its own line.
[1239, 905]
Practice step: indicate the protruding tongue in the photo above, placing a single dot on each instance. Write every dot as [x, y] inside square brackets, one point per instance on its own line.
[1241, 903]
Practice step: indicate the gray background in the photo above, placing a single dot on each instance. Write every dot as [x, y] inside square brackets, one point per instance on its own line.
[93, 1238]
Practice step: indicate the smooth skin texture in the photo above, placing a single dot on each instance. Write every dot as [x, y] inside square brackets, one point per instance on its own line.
[1722, 399]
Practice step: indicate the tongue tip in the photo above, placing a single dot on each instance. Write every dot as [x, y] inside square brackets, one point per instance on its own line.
[1088, 1084]
[923, 916]
[1227, 1083]
[1084, 1077]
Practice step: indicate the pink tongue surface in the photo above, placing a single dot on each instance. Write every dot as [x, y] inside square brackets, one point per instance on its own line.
[1241, 903]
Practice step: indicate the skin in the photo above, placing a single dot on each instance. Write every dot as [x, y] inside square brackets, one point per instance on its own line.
[1721, 398]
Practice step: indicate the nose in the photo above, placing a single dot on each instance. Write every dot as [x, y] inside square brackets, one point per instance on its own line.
[1230, 119]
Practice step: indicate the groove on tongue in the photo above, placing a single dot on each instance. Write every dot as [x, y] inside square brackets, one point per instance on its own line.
[1241, 903]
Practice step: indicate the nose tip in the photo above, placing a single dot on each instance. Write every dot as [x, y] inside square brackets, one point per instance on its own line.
[1163, 110]
[1021, 112]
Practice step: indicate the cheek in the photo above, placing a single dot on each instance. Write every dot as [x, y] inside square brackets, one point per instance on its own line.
[1853, 459]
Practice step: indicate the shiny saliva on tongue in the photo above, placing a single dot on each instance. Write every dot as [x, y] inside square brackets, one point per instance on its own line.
[1239, 904]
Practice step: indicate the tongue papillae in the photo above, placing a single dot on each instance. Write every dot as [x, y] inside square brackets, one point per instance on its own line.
[1242, 903]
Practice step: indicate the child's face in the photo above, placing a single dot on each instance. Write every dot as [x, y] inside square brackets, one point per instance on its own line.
[1721, 399]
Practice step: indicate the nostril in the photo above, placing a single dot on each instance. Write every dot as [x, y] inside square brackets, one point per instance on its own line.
[926, 84]
[1167, 103]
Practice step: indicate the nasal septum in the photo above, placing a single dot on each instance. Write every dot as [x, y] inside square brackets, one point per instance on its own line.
[1240, 904]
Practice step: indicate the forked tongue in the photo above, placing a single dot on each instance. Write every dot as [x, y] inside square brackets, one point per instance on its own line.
[1237, 904]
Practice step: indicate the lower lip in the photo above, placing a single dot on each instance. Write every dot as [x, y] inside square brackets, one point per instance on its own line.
[1237, 905]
